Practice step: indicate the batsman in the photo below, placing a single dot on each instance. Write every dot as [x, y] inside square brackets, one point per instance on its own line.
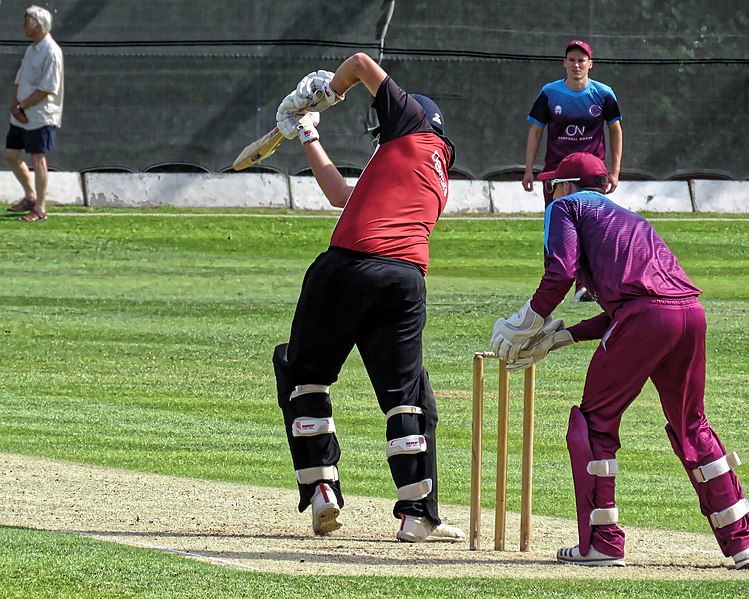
[367, 290]
[652, 327]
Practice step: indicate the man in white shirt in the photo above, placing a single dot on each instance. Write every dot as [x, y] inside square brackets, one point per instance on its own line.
[36, 113]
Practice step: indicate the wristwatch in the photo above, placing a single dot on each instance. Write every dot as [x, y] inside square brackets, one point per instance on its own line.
[19, 107]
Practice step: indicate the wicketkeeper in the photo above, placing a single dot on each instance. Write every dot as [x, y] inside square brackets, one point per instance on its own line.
[652, 327]
[367, 290]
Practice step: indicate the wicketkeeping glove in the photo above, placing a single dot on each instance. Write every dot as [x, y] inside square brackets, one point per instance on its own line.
[552, 336]
[290, 124]
[509, 334]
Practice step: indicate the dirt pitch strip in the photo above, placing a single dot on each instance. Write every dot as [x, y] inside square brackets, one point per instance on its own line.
[259, 529]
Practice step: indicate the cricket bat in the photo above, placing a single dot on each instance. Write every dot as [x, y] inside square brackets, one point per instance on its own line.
[259, 150]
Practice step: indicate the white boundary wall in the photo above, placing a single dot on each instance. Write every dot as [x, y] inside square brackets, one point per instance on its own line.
[261, 190]
[62, 188]
[183, 190]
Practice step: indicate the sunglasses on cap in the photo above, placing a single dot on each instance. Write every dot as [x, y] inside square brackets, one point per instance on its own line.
[552, 183]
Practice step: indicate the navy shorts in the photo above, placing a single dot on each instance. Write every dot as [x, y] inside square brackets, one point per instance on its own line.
[36, 141]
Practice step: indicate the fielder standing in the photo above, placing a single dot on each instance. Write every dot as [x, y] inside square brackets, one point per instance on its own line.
[574, 109]
[36, 113]
[652, 327]
[367, 290]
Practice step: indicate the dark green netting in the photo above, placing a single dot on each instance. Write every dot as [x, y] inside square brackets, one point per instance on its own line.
[184, 82]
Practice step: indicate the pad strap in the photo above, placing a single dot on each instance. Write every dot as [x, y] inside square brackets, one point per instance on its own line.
[604, 468]
[307, 476]
[403, 410]
[729, 462]
[415, 491]
[731, 514]
[309, 427]
[304, 389]
[604, 516]
[409, 444]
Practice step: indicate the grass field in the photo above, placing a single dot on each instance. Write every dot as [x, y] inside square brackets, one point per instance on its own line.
[145, 343]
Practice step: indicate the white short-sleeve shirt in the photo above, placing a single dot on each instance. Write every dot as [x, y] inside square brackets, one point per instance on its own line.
[41, 69]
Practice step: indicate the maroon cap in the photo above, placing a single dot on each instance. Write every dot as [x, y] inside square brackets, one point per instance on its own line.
[586, 167]
[584, 46]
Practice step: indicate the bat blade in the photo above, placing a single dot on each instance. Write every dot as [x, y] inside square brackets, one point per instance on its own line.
[259, 150]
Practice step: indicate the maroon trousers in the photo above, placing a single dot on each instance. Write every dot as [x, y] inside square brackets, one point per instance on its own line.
[663, 340]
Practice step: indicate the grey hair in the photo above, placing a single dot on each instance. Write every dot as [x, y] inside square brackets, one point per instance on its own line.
[42, 16]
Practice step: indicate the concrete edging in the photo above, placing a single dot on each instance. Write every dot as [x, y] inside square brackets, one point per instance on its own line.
[62, 188]
[275, 190]
[234, 190]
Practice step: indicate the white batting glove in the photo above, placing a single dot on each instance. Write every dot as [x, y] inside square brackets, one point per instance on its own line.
[509, 334]
[313, 83]
[306, 127]
[552, 336]
[312, 94]
[291, 104]
[291, 121]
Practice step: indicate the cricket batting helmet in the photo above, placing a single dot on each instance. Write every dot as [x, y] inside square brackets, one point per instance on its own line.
[434, 114]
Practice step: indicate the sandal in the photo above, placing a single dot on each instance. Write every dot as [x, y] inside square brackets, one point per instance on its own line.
[33, 217]
[22, 205]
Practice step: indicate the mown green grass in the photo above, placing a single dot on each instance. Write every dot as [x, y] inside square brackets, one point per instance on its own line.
[61, 566]
[145, 343]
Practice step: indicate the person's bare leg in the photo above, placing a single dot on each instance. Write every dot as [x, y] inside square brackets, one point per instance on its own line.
[39, 162]
[21, 172]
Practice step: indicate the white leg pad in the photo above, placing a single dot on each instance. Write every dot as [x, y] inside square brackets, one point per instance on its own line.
[409, 444]
[731, 514]
[304, 389]
[307, 476]
[729, 462]
[403, 410]
[604, 516]
[415, 491]
[603, 467]
[309, 427]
